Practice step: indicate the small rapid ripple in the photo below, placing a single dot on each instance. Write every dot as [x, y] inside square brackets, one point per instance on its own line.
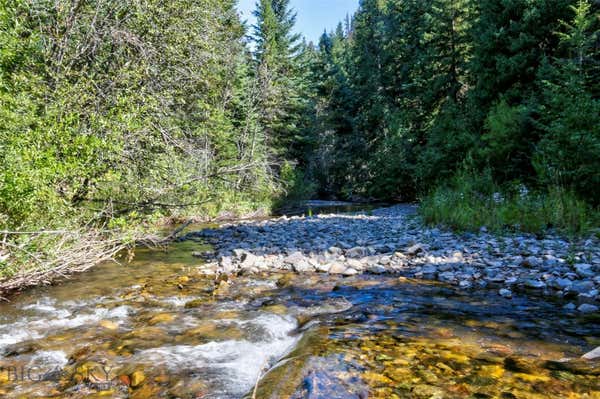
[157, 328]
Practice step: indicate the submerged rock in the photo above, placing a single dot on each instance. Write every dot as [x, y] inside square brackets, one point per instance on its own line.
[587, 308]
[329, 306]
[423, 391]
[323, 384]
[519, 365]
[325, 378]
[161, 318]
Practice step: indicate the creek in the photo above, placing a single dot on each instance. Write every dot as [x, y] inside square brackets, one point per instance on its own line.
[157, 328]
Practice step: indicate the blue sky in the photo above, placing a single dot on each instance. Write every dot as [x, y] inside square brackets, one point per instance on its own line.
[314, 16]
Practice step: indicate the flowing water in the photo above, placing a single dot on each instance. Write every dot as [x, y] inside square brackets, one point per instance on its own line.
[154, 328]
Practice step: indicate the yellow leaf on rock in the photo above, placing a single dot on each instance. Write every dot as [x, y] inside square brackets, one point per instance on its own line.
[161, 318]
[531, 377]
[456, 357]
[183, 280]
[137, 378]
[109, 325]
[493, 371]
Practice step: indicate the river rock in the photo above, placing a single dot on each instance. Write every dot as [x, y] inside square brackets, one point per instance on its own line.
[226, 264]
[584, 270]
[323, 267]
[588, 308]
[335, 250]
[592, 355]
[385, 260]
[535, 284]
[294, 257]
[465, 284]
[249, 260]
[376, 269]
[303, 267]
[447, 276]
[561, 283]
[531, 262]
[588, 296]
[582, 287]
[414, 250]
[357, 252]
[337, 268]
[393, 242]
[356, 263]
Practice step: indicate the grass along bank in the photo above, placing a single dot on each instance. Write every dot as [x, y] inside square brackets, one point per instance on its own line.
[471, 202]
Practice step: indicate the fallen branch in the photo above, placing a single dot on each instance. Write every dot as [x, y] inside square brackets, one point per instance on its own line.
[176, 232]
[5, 232]
[153, 241]
[74, 252]
[146, 204]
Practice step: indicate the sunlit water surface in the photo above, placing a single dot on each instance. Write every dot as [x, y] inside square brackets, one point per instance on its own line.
[157, 329]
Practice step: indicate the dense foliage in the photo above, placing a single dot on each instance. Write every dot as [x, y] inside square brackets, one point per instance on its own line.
[113, 112]
[414, 93]
[117, 112]
[124, 105]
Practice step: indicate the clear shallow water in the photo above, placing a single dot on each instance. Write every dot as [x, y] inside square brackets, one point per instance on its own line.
[156, 329]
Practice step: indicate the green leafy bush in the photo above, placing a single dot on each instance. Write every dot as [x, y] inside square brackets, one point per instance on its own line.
[295, 185]
[149, 113]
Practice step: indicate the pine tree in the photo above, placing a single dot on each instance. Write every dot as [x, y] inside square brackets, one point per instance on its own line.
[446, 75]
[366, 77]
[568, 155]
[448, 43]
[328, 160]
[511, 38]
[277, 51]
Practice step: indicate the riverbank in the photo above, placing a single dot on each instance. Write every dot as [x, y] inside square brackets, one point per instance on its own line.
[30, 259]
[395, 240]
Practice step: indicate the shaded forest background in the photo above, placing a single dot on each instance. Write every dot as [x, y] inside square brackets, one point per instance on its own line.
[117, 114]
